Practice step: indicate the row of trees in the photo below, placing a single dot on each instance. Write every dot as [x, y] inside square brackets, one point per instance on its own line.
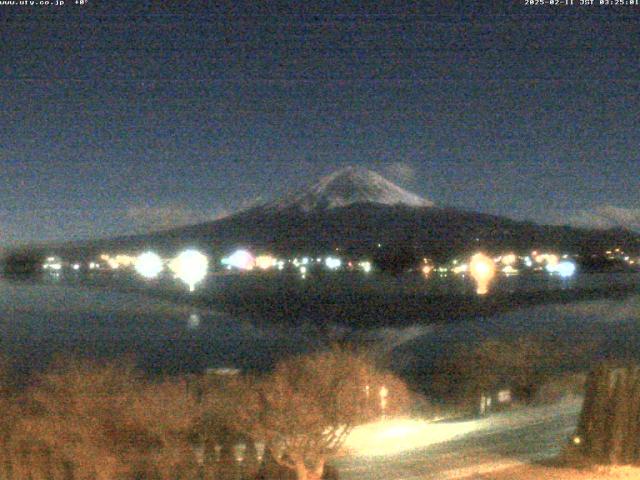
[86, 420]
[524, 365]
[22, 262]
[82, 420]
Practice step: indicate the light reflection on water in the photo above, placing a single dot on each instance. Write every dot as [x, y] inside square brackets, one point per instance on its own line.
[37, 321]
[193, 322]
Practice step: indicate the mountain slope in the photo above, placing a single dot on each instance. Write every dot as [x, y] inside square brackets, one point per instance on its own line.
[346, 187]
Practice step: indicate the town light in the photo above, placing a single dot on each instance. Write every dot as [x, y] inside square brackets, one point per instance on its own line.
[509, 270]
[509, 259]
[149, 265]
[333, 263]
[482, 270]
[239, 451]
[240, 259]
[426, 270]
[265, 262]
[384, 394]
[566, 269]
[260, 448]
[191, 267]
[365, 266]
[53, 263]
[462, 268]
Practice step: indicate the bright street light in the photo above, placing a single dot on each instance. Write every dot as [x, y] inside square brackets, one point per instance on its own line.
[191, 267]
[482, 269]
[149, 265]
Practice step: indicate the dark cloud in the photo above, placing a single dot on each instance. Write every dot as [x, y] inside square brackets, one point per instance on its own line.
[607, 216]
[400, 172]
[165, 216]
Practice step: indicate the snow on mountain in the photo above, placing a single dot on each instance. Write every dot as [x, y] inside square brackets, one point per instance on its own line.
[347, 186]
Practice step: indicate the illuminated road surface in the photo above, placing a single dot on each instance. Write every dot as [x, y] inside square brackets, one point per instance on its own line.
[410, 450]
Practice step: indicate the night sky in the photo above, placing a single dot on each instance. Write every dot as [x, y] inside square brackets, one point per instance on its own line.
[116, 117]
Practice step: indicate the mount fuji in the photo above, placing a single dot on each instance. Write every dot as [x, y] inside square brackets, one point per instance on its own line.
[360, 212]
[348, 186]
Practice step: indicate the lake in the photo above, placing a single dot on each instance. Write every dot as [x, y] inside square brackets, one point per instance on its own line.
[40, 320]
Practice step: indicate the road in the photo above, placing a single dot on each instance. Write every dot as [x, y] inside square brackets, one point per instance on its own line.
[415, 450]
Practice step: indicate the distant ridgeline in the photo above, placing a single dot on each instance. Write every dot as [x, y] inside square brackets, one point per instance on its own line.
[385, 234]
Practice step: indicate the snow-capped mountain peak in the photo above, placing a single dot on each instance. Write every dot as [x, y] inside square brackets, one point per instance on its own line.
[347, 186]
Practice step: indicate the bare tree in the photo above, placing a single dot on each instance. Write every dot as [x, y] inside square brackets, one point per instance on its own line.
[304, 410]
[74, 414]
[164, 416]
[8, 407]
[103, 422]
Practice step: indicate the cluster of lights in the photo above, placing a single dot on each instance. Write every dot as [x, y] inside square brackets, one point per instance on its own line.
[265, 262]
[118, 261]
[509, 270]
[298, 262]
[460, 268]
[52, 263]
[614, 253]
[619, 254]
[366, 266]
[509, 259]
[333, 263]
[190, 266]
[550, 260]
[149, 265]
[244, 260]
[508, 264]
